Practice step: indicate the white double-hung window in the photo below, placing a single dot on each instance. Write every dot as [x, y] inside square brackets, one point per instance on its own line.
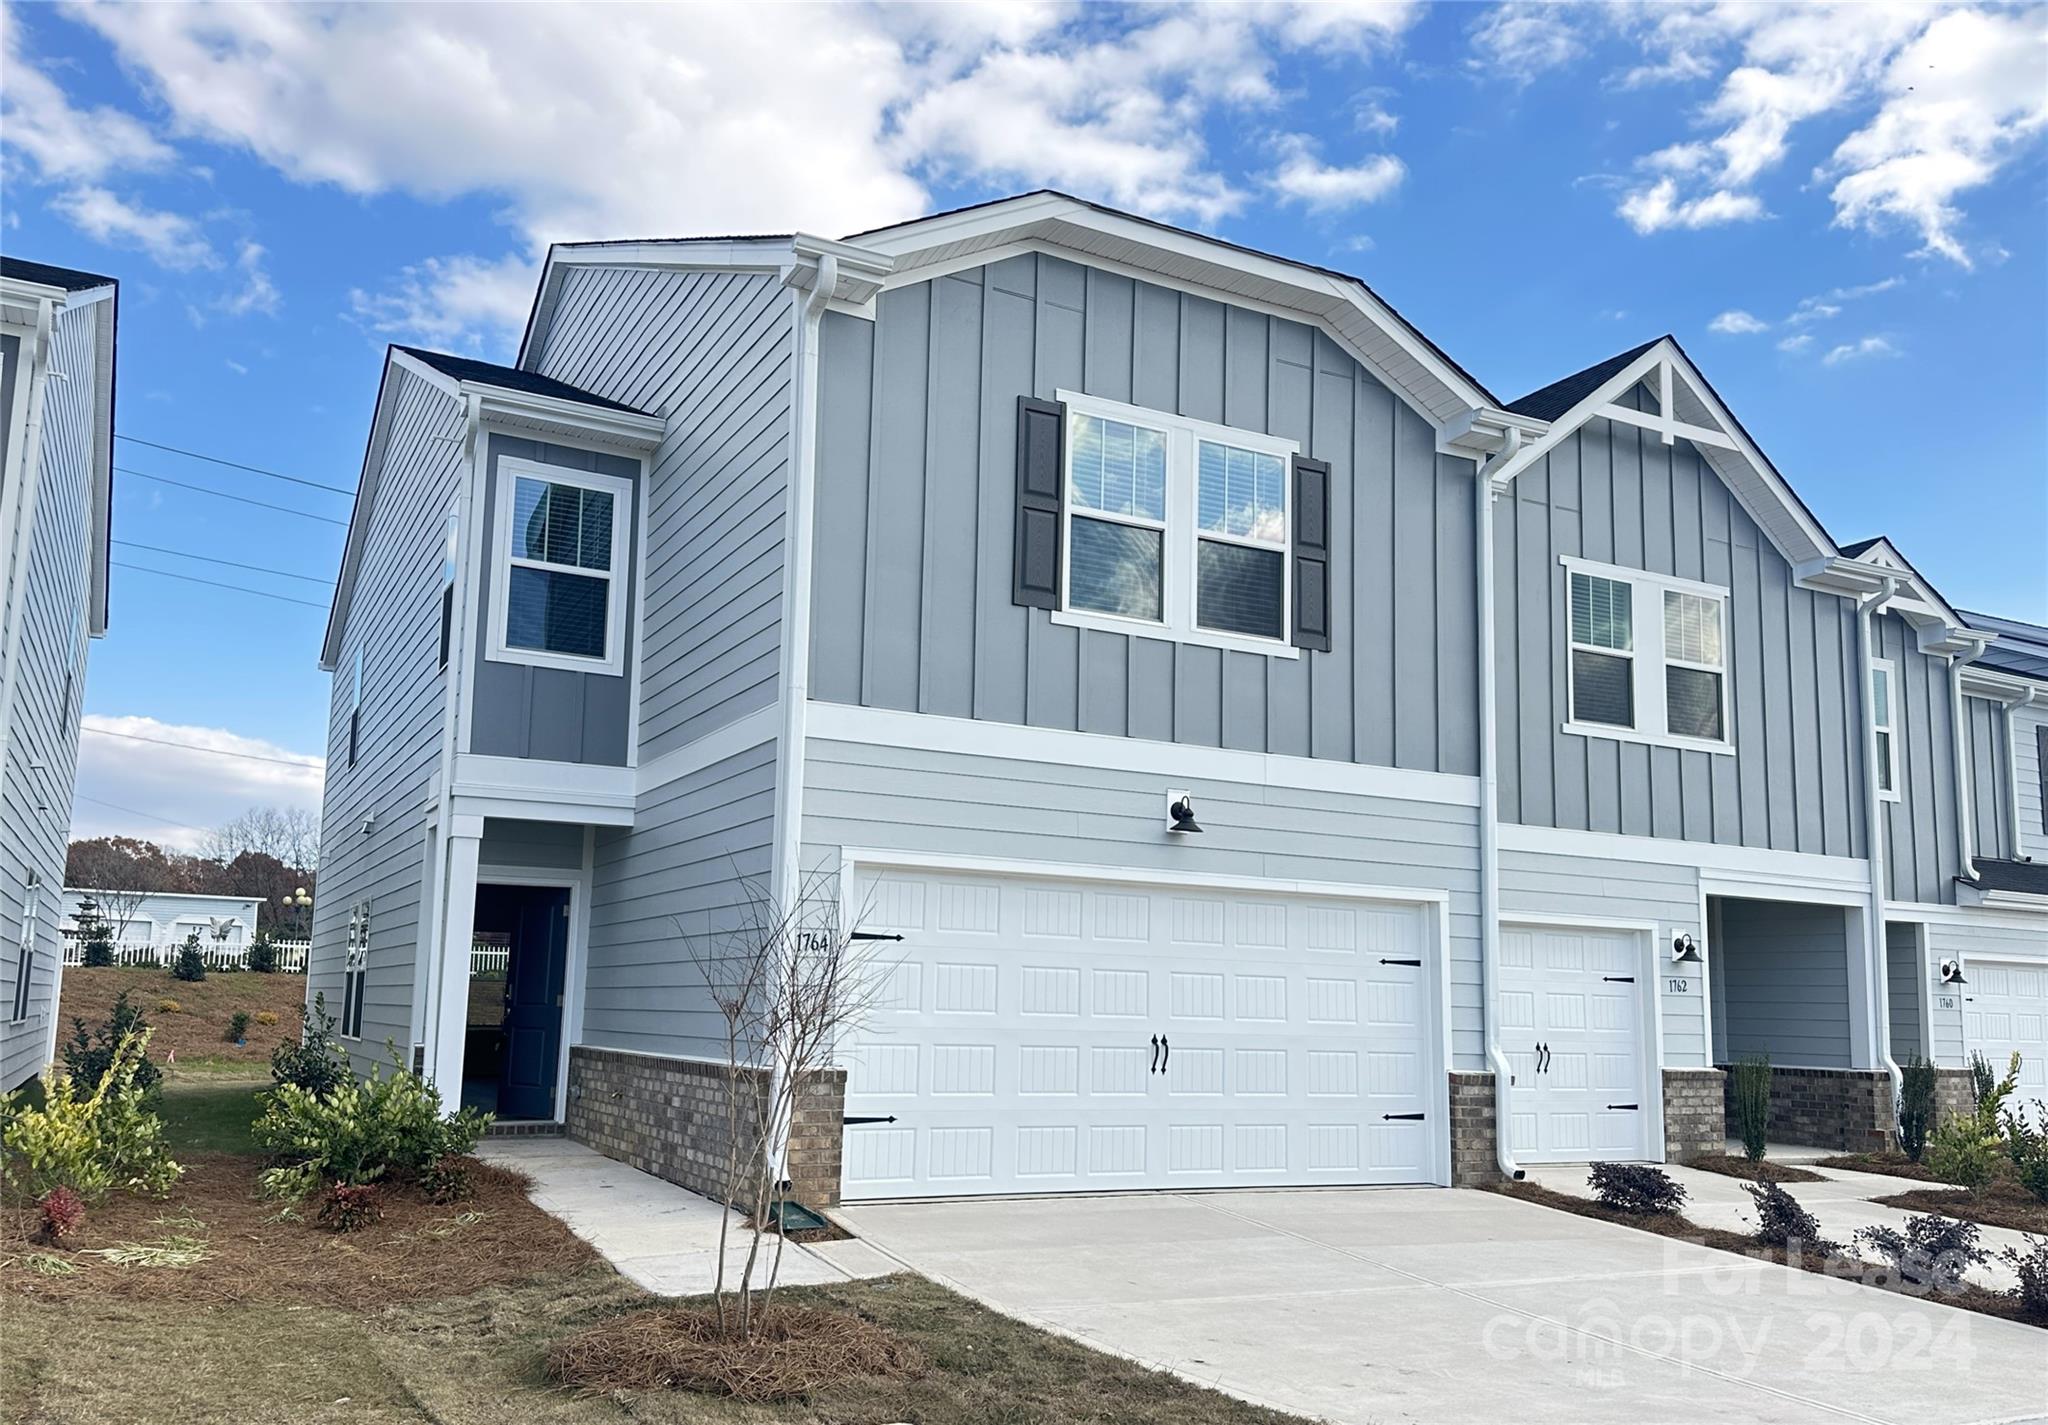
[558, 587]
[1176, 527]
[1647, 657]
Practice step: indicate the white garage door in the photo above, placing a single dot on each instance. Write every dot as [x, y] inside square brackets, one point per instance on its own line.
[1571, 1027]
[1046, 1036]
[2005, 1009]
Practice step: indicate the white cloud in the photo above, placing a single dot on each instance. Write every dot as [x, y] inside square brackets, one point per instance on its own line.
[1857, 350]
[1658, 207]
[63, 142]
[257, 292]
[236, 366]
[1796, 343]
[1522, 40]
[1304, 178]
[464, 302]
[1738, 323]
[178, 793]
[1959, 100]
[171, 239]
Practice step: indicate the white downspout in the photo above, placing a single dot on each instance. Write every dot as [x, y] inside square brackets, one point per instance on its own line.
[1877, 952]
[787, 875]
[1966, 810]
[1489, 807]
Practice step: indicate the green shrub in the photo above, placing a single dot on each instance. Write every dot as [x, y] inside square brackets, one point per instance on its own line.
[1636, 1188]
[1930, 1250]
[315, 1061]
[238, 1027]
[357, 1132]
[1983, 1078]
[263, 955]
[87, 1057]
[293, 1183]
[1965, 1148]
[1753, 1104]
[188, 964]
[2027, 1145]
[1917, 1111]
[1782, 1222]
[2031, 1267]
[91, 1142]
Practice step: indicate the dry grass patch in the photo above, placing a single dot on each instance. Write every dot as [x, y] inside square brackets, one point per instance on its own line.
[796, 1352]
[1729, 1165]
[194, 1034]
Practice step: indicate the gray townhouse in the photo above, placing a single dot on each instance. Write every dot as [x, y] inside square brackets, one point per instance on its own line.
[57, 331]
[1282, 760]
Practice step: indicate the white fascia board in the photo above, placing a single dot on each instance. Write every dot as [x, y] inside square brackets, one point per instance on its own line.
[573, 420]
[2005, 688]
[366, 496]
[536, 789]
[1705, 857]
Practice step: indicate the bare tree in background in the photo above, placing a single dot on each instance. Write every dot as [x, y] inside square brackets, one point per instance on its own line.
[789, 984]
[123, 871]
[290, 834]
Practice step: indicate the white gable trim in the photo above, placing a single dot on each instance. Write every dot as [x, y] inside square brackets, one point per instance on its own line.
[1760, 490]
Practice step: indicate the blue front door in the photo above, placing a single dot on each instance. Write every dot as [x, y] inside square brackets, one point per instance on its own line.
[537, 918]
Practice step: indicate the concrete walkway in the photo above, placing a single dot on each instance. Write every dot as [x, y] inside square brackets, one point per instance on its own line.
[1452, 1306]
[662, 1236]
[1842, 1204]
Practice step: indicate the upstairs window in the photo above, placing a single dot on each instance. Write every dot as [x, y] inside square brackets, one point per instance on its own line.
[355, 707]
[558, 589]
[1647, 658]
[1884, 725]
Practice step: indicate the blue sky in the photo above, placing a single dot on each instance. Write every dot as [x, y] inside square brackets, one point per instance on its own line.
[1839, 212]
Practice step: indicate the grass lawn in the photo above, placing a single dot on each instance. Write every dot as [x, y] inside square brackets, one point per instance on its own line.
[210, 1112]
[192, 1036]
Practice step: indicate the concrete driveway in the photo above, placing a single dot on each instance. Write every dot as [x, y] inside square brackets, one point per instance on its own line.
[1437, 1305]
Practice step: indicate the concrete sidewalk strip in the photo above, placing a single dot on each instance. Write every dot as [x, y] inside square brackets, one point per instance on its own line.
[662, 1236]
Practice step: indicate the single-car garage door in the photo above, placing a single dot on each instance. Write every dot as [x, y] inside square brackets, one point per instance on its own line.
[1571, 1026]
[1037, 1035]
[2005, 1010]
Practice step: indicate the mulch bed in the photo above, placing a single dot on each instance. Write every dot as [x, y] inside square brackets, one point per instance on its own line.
[1966, 1296]
[1728, 1165]
[1896, 1165]
[796, 1350]
[257, 1253]
[2004, 1204]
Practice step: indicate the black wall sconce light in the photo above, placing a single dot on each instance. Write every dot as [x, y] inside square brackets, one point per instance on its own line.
[1180, 813]
[1952, 972]
[1685, 950]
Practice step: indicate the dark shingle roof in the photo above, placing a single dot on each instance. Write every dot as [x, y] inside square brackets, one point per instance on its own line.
[1560, 396]
[1862, 546]
[69, 278]
[511, 378]
[2026, 877]
[2022, 648]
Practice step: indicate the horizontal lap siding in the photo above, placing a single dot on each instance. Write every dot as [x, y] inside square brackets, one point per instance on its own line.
[679, 885]
[1969, 941]
[710, 351]
[907, 799]
[916, 489]
[1536, 883]
[37, 782]
[1613, 494]
[1784, 973]
[1923, 832]
[396, 619]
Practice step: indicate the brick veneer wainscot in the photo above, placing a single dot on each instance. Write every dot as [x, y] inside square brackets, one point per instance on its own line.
[670, 1117]
[1848, 1110]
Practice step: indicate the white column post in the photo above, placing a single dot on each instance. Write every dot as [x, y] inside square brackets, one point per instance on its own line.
[462, 840]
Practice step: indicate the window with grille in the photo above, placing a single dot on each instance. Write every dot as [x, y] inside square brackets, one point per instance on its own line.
[1646, 657]
[558, 585]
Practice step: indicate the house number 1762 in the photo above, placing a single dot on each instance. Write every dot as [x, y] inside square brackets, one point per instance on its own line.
[1678, 985]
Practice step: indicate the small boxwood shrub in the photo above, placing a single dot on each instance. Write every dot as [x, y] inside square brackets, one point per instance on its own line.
[238, 1027]
[1928, 1251]
[1782, 1222]
[2031, 1267]
[188, 964]
[1638, 1188]
[1916, 1105]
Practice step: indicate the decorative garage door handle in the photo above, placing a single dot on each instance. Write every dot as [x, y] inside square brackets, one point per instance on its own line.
[1619, 979]
[1633, 1107]
[1155, 1056]
[1414, 1117]
[1165, 1053]
[871, 1119]
[1542, 1058]
[1385, 961]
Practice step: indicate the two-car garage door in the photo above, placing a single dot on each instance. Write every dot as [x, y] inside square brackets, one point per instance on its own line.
[1035, 1035]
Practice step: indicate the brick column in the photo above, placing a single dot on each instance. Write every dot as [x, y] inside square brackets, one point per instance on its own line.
[1694, 1121]
[1473, 1161]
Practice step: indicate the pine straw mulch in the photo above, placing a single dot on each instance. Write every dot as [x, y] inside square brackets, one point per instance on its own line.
[1896, 1165]
[256, 1252]
[1968, 1296]
[1728, 1165]
[196, 1029]
[797, 1350]
[2003, 1204]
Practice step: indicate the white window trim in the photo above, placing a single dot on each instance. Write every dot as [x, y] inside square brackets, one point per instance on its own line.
[1890, 726]
[1648, 660]
[510, 468]
[1180, 536]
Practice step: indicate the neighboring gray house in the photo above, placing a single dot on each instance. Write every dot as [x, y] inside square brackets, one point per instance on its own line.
[57, 449]
[1282, 760]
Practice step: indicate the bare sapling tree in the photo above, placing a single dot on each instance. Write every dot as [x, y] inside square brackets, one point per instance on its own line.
[790, 984]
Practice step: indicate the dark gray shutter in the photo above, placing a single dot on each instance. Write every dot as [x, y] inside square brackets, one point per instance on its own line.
[1041, 438]
[2041, 749]
[1311, 554]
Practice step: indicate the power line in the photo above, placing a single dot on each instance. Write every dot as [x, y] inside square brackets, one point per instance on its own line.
[237, 465]
[313, 766]
[218, 584]
[138, 811]
[231, 563]
[224, 495]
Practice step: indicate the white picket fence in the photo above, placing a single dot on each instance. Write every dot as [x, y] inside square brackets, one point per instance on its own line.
[485, 957]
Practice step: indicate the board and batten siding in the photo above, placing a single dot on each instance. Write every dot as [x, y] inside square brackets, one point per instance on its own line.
[917, 458]
[2028, 773]
[675, 887]
[531, 845]
[1782, 982]
[1923, 829]
[1614, 494]
[916, 800]
[560, 714]
[1539, 883]
[395, 619]
[50, 586]
[1988, 746]
[710, 352]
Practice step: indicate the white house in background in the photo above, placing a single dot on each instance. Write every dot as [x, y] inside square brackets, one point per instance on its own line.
[56, 490]
[164, 918]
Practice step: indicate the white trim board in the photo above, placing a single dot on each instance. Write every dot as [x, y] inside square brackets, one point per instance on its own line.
[1704, 856]
[888, 727]
[742, 734]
